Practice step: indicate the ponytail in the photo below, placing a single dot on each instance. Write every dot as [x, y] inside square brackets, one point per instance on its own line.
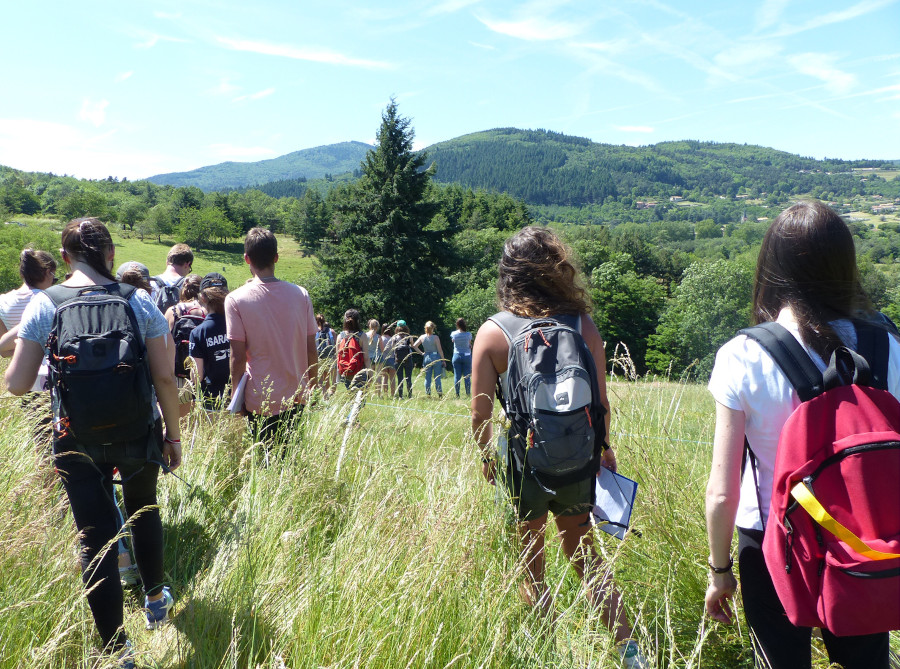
[87, 240]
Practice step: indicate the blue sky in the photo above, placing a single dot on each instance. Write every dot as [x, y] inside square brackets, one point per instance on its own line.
[135, 88]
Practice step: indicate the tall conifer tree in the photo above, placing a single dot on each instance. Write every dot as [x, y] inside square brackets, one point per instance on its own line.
[381, 257]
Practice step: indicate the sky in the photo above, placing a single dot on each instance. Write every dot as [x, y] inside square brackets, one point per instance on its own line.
[130, 89]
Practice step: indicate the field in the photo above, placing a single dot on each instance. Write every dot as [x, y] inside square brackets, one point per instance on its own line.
[393, 552]
[227, 260]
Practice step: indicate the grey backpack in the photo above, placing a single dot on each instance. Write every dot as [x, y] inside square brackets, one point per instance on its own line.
[551, 400]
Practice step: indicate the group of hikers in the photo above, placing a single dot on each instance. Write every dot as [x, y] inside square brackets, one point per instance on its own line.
[541, 355]
[385, 352]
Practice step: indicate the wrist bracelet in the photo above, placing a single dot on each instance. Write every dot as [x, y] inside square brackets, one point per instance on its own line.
[720, 570]
[172, 441]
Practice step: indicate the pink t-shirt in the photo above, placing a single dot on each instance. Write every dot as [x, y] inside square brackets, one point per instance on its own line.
[274, 320]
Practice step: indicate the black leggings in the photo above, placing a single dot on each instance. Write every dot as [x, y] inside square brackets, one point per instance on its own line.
[778, 643]
[89, 487]
[405, 368]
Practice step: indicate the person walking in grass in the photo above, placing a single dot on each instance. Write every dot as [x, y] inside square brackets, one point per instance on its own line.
[209, 345]
[462, 356]
[166, 287]
[807, 281]
[537, 279]
[86, 469]
[353, 362]
[272, 331]
[387, 378]
[403, 344]
[325, 348]
[433, 360]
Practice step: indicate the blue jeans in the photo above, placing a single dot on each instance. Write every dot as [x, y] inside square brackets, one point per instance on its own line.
[462, 369]
[433, 367]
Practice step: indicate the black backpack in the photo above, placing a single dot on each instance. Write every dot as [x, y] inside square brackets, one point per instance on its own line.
[557, 430]
[99, 373]
[181, 332]
[402, 347]
[167, 295]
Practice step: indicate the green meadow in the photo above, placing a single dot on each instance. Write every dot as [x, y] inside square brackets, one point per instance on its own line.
[387, 550]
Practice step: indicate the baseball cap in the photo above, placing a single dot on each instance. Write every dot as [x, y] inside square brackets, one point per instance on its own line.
[132, 265]
[401, 322]
[213, 280]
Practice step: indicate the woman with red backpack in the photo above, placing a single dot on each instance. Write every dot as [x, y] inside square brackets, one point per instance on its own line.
[353, 363]
[807, 281]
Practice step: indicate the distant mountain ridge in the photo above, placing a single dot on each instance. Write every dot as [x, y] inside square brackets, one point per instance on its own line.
[312, 163]
[549, 168]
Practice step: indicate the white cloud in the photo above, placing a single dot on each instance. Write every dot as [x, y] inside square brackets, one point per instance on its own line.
[42, 146]
[224, 87]
[122, 76]
[487, 47]
[612, 46]
[857, 10]
[94, 112]
[822, 66]
[255, 96]
[634, 128]
[300, 53]
[232, 152]
[769, 13]
[533, 29]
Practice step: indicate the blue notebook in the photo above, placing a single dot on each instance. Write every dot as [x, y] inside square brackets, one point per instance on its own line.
[615, 499]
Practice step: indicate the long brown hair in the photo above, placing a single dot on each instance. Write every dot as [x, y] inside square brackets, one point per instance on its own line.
[87, 240]
[808, 262]
[538, 276]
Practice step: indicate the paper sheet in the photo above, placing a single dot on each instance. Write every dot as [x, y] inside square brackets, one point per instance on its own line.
[615, 499]
[237, 398]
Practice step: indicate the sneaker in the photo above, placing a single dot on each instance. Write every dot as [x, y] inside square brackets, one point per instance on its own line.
[125, 658]
[631, 655]
[128, 576]
[158, 612]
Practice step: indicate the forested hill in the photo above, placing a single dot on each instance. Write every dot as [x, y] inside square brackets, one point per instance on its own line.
[543, 167]
[313, 163]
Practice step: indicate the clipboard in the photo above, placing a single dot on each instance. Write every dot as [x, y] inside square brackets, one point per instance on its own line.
[614, 501]
[237, 399]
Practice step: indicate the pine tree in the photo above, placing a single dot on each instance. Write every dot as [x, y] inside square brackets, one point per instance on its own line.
[380, 256]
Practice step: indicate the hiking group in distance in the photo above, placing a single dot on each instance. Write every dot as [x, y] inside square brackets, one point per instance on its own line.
[805, 460]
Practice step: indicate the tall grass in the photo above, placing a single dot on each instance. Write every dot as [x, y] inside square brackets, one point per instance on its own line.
[406, 559]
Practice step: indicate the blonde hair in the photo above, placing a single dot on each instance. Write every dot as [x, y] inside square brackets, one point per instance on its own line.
[429, 327]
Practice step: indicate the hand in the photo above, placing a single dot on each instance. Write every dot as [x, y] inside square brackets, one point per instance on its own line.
[489, 471]
[172, 455]
[721, 589]
[608, 459]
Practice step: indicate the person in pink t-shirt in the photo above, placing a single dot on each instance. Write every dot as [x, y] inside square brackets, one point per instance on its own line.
[271, 328]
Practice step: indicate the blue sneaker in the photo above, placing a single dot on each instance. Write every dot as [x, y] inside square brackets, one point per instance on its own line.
[125, 659]
[158, 612]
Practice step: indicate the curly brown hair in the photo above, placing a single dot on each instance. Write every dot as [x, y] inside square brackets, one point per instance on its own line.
[538, 276]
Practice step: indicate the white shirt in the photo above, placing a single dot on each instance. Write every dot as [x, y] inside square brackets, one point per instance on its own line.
[745, 378]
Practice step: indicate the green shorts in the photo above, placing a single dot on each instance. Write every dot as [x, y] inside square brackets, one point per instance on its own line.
[531, 501]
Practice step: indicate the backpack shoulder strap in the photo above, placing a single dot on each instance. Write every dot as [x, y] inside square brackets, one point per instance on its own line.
[59, 294]
[510, 324]
[873, 344]
[790, 356]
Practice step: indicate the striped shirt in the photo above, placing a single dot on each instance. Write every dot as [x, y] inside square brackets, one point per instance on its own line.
[13, 303]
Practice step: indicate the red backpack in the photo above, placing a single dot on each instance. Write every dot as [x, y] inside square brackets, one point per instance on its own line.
[350, 360]
[832, 539]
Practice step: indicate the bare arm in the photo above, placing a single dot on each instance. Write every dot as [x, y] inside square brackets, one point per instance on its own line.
[488, 362]
[312, 374]
[598, 350]
[8, 340]
[163, 375]
[237, 362]
[23, 370]
[440, 348]
[722, 498]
